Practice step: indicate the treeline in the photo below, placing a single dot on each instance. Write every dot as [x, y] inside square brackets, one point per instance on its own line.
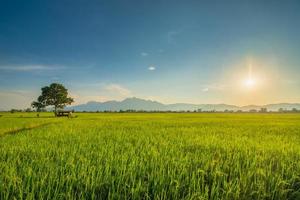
[262, 110]
[25, 110]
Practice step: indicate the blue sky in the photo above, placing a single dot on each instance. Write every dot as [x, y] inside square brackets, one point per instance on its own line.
[169, 51]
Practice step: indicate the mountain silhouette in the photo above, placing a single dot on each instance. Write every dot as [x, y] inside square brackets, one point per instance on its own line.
[148, 105]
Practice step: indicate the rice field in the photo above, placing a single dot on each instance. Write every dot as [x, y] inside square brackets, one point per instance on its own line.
[150, 156]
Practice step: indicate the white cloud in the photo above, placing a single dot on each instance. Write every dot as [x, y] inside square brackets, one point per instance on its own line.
[83, 98]
[214, 87]
[117, 89]
[144, 54]
[100, 92]
[26, 68]
[151, 68]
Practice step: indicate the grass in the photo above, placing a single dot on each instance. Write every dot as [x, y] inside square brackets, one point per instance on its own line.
[11, 123]
[150, 156]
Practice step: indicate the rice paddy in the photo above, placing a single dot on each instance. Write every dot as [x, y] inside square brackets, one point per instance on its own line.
[150, 156]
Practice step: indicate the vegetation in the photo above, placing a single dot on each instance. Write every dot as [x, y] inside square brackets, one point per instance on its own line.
[54, 95]
[150, 156]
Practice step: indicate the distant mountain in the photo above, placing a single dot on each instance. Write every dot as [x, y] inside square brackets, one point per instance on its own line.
[148, 105]
[127, 104]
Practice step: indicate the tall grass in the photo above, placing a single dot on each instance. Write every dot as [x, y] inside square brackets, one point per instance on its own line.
[154, 156]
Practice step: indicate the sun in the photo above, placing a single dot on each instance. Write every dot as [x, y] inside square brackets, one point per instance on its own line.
[250, 83]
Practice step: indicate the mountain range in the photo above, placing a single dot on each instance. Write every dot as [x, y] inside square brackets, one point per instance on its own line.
[148, 105]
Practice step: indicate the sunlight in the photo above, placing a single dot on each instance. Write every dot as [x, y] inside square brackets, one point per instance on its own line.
[250, 83]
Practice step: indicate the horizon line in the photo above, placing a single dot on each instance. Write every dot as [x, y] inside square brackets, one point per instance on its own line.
[146, 99]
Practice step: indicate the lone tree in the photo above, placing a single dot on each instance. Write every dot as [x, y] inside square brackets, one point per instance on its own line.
[54, 95]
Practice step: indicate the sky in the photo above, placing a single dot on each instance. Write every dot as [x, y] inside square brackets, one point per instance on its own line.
[234, 52]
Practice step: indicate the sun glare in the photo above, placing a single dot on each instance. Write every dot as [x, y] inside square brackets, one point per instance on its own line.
[250, 83]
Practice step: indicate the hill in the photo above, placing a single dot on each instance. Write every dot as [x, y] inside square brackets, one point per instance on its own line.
[148, 105]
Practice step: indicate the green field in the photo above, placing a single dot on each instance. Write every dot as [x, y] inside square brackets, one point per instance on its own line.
[150, 156]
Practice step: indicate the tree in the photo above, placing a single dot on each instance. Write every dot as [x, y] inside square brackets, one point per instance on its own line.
[15, 110]
[28, 110]
[38, 105]
[263, 110]
[281, 110]
[54, 95]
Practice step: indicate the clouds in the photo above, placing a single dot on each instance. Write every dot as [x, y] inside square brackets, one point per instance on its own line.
[214, 87]
[100, 92]
[117, 89]
[83, 98]
[151, 68]
[29, 68]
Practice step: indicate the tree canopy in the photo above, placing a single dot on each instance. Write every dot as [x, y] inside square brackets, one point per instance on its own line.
[54, 95]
